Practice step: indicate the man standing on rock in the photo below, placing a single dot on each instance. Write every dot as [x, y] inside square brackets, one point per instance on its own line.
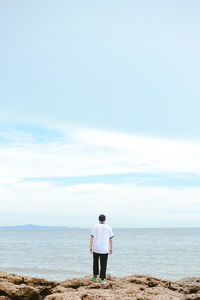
[101, 238]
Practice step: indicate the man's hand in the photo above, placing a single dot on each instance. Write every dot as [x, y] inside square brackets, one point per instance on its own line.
[111, 251]
[91, 250]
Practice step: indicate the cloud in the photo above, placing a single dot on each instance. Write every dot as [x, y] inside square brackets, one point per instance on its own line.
[83, 152]
[28, 194]
[125, 205]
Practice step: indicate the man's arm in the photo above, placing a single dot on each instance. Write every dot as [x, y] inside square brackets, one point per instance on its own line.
[110, 242]
[91, 242]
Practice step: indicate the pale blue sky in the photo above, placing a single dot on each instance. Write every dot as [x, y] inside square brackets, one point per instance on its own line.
[125, 65]
[119, 67]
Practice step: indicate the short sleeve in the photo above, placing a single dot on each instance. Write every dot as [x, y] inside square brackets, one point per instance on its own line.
[111, 235]
[93, 232]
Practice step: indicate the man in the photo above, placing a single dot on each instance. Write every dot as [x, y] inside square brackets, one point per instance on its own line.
[101, 239]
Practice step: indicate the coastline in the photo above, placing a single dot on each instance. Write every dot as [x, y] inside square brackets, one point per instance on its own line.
[140, 287]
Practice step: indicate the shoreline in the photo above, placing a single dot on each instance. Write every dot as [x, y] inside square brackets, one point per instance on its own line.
[140, 287]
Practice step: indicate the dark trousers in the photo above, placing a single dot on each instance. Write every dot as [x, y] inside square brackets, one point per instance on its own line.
[103, 264]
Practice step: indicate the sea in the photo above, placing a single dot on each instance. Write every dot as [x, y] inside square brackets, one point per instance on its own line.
[58, 254]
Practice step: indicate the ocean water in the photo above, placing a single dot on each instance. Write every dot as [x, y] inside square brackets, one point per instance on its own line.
[58, 254]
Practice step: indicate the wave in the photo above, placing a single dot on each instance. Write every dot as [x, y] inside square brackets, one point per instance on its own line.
[43, 271]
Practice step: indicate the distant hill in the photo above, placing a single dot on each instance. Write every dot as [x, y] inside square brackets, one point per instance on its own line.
[31, 226]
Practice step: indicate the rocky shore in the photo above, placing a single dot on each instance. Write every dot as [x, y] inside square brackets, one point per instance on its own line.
[137, 287]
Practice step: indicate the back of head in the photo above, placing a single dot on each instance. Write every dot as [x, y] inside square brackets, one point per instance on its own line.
[102, 218]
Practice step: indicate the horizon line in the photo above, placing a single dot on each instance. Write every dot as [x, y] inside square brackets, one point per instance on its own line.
[79, 227]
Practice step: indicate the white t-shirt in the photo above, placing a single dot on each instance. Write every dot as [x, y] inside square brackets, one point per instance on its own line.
[101, 233]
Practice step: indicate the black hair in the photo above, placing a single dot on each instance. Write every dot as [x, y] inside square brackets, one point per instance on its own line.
[102, 218]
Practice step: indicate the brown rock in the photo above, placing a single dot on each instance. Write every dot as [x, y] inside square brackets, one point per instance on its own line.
[135, 287]
[18, 291]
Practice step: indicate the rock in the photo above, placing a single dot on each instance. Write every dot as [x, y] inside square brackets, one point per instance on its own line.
[190, 280]
[20, 292]
[135, 287]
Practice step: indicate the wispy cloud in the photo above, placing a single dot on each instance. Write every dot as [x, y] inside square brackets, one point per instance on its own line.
[124, 204]
[83, 152]
[31, 169]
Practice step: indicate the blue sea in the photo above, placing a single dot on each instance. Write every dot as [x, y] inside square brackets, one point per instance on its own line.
[58, 254]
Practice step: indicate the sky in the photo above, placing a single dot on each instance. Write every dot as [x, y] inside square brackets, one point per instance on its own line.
[99, 113]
